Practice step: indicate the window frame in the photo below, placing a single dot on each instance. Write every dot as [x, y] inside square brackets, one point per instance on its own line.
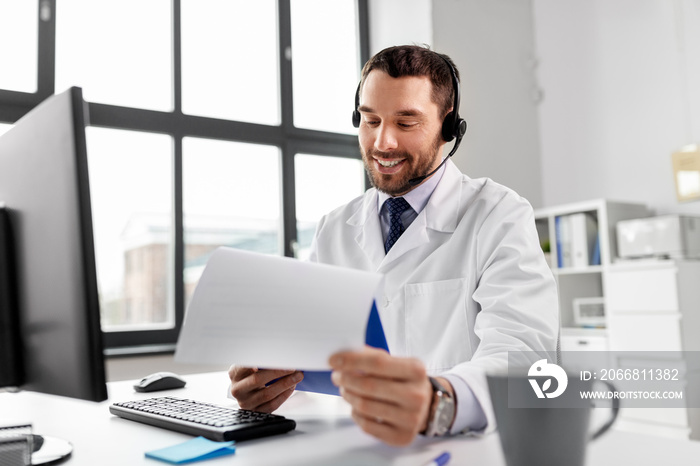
[288, 138]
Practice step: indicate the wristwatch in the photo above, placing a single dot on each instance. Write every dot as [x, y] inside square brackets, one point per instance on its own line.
[442, 411]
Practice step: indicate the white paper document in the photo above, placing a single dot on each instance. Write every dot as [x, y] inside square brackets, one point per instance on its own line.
[267, 311]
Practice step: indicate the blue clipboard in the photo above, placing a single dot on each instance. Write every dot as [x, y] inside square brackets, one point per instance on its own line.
[320, 381]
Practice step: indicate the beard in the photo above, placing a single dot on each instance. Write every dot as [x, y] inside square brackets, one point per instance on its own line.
[416, 165]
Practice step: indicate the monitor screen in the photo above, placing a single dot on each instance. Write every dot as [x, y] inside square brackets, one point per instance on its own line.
[45, 190]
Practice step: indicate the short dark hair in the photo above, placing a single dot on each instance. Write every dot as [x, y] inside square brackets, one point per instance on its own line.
[416, 60]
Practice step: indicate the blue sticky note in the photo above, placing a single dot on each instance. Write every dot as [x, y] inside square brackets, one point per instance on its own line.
[197, 449]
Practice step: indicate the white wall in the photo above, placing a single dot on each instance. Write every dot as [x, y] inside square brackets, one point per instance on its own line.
[492, 43]
[621, 82]
[399, 22]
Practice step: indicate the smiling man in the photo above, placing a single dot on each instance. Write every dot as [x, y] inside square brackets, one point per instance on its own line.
[465, 278]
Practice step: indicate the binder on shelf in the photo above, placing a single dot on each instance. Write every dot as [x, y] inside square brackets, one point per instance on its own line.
[563, 232]
[595, 257]
[583, 229]
[557, 234]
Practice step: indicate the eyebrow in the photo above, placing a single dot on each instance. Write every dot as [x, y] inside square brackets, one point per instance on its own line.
[407, 112]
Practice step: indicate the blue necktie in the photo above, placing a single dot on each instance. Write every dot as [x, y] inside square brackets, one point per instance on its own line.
[396, 206]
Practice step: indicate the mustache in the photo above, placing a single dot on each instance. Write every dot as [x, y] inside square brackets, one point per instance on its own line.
[387, 155]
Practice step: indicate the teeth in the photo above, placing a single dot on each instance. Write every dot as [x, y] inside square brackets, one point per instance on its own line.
[386, 163]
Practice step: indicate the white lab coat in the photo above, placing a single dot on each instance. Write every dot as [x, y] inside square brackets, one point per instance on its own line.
[465, 283]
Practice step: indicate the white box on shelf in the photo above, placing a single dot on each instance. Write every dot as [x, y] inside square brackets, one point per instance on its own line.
[673, 236]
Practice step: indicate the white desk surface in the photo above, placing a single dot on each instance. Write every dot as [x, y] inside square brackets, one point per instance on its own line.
[325, 434]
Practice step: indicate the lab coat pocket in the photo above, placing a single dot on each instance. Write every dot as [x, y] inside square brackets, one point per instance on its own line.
[436, 323]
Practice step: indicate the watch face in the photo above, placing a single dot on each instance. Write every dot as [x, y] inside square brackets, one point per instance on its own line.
[444, 410]
[444, 414]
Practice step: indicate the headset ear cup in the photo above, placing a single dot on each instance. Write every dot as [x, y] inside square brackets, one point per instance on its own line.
[356, 119]
[460, 128]
[453, 127]
[356, 115]
[448, 128]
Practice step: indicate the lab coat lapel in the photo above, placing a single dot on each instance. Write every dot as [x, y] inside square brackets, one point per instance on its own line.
[369, 232]
[443, 208]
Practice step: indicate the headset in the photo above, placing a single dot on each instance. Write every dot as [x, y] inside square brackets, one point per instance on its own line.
[453, 126]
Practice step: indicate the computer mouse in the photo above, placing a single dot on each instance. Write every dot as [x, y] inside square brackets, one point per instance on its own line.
[159, 381]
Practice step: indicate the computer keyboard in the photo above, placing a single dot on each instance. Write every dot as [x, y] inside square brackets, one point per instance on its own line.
[214, 422]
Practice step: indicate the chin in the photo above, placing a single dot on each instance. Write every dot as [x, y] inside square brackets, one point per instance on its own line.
[393, 188]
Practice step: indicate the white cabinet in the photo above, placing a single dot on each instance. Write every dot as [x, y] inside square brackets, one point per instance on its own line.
[594, 227]
[653, 306]
[650, 306]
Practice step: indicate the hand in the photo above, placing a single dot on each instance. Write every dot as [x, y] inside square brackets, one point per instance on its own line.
[253, 389]
[390, 396]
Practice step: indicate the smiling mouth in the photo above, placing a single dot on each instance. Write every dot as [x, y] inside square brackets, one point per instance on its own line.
[387, 163]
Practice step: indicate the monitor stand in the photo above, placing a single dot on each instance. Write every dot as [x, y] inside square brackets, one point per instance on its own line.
[50, 450]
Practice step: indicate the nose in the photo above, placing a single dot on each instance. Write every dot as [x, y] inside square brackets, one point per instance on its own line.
[386, 139]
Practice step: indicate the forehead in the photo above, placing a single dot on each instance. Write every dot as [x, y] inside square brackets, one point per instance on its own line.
[382, 93]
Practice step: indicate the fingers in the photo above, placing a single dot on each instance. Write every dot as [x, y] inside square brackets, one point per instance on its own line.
[407, 416]
[385, 432]
[262, 389]
[378, 362]
[276, 402]
[390, 396]
[368, 385]
[236, 373]
[403, 404]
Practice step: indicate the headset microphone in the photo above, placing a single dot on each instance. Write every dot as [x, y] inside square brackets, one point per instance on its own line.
[419, 180]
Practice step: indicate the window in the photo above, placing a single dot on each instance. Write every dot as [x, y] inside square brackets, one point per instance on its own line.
[131, 190]
[322, 184]
[116, 56]
[218, 74]
[211, 124]
[214, 214]
[18, 45]
[326, 72]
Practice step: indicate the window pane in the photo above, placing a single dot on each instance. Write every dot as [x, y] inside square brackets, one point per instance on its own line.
[18, 45]
[230, 60]
[119, 53]
[325, 72]
[231, 197]
[322, 184]
[131, 193]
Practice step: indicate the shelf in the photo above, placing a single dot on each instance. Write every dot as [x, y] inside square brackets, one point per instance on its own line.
[578, 270]
[583, 332]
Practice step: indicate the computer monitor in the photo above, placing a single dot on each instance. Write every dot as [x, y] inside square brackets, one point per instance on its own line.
[52, 341]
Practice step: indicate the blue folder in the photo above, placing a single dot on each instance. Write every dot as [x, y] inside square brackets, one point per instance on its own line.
[320, 381]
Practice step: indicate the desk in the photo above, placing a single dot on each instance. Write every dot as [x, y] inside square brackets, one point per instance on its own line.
[325, 434]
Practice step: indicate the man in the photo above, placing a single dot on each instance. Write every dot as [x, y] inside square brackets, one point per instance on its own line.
[465, 279]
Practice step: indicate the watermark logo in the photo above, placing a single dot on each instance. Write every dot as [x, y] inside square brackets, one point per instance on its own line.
[542, 369]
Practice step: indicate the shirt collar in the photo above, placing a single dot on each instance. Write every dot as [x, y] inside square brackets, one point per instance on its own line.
[418, 197]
